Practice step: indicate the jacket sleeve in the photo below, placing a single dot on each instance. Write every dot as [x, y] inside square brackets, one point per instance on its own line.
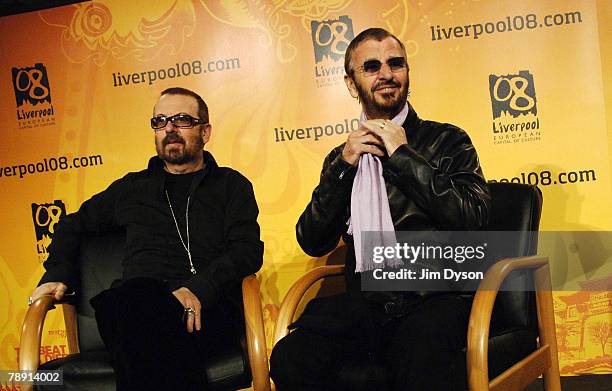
[95, 216]
[451, 187]
[324, 220]
[243, 253]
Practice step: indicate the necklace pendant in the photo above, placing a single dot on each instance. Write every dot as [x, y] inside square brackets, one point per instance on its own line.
[193, 270]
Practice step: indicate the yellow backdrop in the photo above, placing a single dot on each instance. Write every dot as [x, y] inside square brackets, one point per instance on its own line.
[529, 80]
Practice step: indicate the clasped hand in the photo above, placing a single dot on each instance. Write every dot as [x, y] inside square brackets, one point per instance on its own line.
[373, 136]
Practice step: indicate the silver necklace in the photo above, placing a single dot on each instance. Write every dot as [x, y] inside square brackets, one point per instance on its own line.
[185, 246]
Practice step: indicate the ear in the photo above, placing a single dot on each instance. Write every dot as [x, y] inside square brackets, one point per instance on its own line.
[350, 84]
[206, 132]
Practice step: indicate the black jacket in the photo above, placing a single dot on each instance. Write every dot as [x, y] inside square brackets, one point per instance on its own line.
[433, 183]
[222, 221]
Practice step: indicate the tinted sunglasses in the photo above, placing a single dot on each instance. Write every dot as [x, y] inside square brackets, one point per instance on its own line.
[372, 67]
[178, 120]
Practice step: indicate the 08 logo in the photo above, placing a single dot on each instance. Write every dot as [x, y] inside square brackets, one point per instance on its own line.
[47, 216]
[331, 37]
[31, 84]
[514, 94]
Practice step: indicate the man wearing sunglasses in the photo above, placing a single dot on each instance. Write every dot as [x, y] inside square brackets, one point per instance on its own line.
[191, 236]
[430, 179]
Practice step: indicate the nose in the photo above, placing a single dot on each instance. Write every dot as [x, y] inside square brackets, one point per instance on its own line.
[385, 72]
[170, 127]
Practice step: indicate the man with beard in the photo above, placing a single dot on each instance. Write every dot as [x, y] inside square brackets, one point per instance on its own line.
[191, 236]
[430, 180]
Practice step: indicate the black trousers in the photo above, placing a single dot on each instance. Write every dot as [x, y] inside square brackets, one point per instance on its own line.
[414, 351]
[143, 328]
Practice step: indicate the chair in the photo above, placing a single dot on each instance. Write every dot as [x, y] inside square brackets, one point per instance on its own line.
[508, 347]
[88, 364]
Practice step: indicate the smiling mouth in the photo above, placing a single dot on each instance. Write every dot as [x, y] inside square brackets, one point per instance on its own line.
[386, 88]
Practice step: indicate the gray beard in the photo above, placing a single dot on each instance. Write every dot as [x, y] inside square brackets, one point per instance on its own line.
[388, 108]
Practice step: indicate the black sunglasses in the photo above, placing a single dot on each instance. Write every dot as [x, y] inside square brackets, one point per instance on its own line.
[372, 67]
[178, 120]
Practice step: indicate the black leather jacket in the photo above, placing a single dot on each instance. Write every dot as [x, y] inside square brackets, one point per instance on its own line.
[433, 183]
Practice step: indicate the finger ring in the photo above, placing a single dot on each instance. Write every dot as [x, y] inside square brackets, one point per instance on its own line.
[382, 126]
[189, 310]
[30, 301]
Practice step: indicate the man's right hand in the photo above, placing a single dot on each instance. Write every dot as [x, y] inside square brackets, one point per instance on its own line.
[57, 289]
[359, 142]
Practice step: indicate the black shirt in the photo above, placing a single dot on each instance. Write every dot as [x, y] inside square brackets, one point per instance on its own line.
[177, 188]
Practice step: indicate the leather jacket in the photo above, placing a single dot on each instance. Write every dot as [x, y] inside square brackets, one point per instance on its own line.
[433, 183]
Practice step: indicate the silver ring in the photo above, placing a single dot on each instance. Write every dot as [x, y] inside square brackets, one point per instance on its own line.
[189, 310]
[30, 301]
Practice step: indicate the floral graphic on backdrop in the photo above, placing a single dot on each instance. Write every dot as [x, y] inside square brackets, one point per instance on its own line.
[99, 30]
[273, 18]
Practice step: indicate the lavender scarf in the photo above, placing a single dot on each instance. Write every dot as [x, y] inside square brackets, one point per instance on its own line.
[370, 211]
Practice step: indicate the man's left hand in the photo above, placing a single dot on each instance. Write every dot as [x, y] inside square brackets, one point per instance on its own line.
[189, 300]
[392, 135]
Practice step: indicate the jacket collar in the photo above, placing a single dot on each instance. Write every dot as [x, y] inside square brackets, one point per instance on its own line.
[412, 120]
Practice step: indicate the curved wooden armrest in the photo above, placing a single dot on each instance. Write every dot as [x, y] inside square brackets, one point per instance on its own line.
[256, 336]
[497, 273]
[295, 294]
[31, 332]
[482, 309]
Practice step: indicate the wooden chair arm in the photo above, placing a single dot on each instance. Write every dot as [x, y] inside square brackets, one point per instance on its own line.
[31, 333]
[295, 294]
[256, 336]
[482, 309]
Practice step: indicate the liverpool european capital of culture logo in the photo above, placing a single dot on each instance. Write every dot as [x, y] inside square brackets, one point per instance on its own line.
[45, 217]
[515, 110]
[330, 38]
[33, 96]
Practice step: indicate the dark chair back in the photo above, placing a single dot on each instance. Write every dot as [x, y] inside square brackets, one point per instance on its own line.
[517, 208]
[100, 264]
